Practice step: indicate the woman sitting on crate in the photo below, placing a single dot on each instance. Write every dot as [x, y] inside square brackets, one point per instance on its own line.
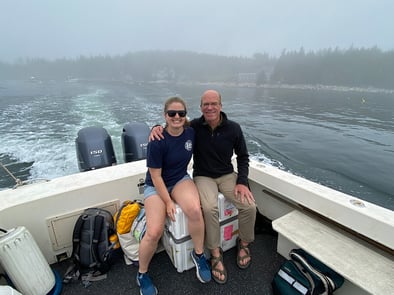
[167, 182]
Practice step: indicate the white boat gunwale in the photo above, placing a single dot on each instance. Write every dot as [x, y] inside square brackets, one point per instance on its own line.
[276, 192]
[371, 221]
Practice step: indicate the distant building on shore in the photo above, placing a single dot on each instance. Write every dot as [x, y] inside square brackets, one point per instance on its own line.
[247, 78]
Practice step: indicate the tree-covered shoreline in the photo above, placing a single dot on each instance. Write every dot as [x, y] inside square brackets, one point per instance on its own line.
[360, 68]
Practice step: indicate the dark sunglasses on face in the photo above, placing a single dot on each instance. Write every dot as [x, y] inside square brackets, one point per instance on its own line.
[172, 113]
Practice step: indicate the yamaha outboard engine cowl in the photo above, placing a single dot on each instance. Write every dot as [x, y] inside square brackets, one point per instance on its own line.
[94, 149]
[135, 141]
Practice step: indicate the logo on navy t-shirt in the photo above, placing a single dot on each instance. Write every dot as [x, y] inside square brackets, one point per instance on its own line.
[188, 145]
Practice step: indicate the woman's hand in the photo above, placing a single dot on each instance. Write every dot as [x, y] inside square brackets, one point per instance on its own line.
[171, 210]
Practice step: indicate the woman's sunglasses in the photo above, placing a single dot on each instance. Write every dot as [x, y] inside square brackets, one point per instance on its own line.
[172, 114]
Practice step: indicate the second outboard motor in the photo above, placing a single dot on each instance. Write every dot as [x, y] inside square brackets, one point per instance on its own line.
[135, 141]
[94, 149]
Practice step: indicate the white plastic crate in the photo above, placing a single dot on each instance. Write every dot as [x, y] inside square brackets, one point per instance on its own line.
[229, 233]
[226, 208]
[179, 249]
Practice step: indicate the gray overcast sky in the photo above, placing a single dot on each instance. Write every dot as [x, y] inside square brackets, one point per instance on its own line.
[56, 28]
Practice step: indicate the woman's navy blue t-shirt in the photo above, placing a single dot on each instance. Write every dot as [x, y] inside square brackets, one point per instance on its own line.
[172, 154]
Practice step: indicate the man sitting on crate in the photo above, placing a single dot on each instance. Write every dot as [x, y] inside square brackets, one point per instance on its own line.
[217, 139]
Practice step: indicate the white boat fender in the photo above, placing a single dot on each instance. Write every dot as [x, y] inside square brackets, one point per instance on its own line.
[7, 290]
[19, 254]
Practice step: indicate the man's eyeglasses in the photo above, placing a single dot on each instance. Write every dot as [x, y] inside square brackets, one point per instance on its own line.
[172, 113]
[212, 104]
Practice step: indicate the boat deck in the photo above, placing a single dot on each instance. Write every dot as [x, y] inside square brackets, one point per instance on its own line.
[254, 280]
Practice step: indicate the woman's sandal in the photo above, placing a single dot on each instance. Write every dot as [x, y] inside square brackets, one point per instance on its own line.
[214, 262]
[241, 258]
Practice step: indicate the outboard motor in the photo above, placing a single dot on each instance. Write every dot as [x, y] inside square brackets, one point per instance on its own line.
[135, 141]
[94, 149]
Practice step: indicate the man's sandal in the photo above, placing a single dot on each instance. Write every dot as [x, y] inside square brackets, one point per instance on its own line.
[214, 262]
[241, 258]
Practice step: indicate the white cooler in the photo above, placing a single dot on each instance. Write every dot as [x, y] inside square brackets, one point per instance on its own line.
[177, 241]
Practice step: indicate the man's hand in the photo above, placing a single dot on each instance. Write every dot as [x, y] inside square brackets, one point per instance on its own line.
[243, 193]
[156, 133]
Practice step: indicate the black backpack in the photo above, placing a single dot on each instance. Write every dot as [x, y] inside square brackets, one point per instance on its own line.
[93, 246]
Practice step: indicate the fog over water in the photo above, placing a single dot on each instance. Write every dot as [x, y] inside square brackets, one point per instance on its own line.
[58, 29]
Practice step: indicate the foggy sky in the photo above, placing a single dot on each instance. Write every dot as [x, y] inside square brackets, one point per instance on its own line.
[59, 28]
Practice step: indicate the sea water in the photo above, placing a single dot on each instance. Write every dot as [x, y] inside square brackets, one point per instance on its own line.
[341, 138]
